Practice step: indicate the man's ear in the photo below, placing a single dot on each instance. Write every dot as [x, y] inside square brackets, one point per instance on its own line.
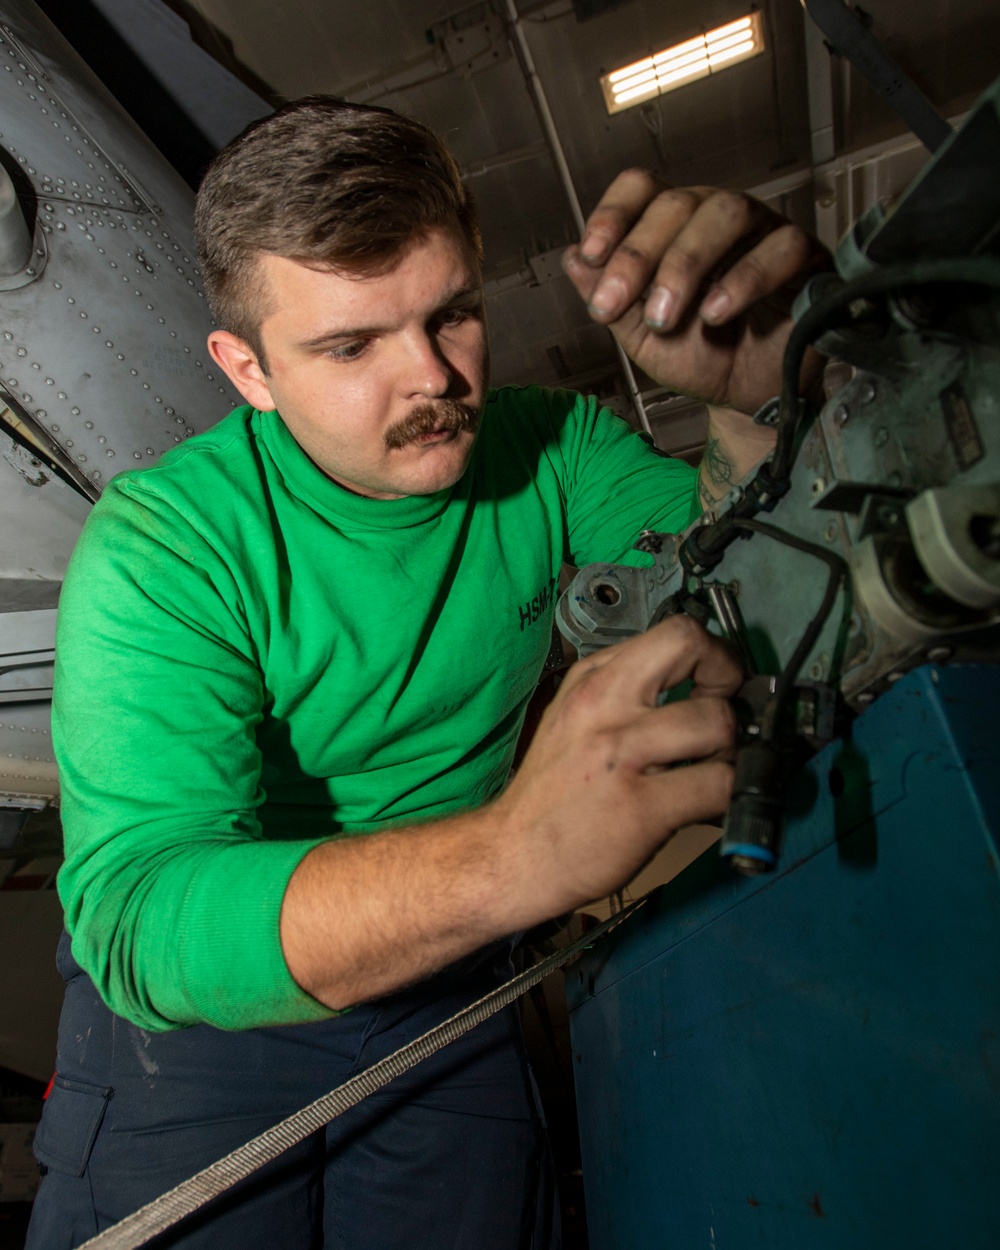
[239, 362]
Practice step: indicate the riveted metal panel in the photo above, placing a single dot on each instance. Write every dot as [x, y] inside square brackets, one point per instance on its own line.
[105, 348]
[103, 364]
[27, 766]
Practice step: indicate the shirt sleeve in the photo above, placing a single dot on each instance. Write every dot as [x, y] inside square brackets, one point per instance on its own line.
[616, 483]
[172, 896]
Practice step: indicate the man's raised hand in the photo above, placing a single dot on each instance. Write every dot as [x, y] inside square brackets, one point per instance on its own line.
[695, 283]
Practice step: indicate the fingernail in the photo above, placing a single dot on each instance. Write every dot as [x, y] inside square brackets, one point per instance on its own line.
[716, 304]
[659, 307]
[593, 246]
[608, 298]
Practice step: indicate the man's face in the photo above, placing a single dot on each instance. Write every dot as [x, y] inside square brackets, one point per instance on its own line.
[381, 380]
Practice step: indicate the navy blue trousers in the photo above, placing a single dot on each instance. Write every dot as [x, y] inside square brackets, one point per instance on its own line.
[453, 1154]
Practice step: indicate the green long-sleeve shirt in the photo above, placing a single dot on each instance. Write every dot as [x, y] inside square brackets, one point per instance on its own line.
[251, 659]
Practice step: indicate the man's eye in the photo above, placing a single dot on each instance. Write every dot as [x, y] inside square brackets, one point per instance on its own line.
[455, 316]
[349, 351]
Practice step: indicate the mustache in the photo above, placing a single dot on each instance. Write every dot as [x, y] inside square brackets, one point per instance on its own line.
[432, 417]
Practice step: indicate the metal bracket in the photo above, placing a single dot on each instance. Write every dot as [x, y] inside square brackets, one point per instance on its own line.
[848, 35]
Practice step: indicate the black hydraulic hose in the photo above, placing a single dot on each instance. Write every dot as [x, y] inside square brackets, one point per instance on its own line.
[838, 573]
[753, 830]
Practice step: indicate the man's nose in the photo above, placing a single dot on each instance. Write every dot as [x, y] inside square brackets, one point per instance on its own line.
[427, 372]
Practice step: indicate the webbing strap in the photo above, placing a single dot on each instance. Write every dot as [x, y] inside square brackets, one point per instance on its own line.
[172, 1207]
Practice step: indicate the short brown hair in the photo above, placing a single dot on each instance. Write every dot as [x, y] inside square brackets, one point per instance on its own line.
[326, 183]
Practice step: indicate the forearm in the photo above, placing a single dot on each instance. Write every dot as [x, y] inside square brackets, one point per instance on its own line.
[733, 446]
[364, 916]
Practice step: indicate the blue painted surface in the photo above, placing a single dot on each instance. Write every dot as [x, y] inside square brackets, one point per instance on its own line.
[812, 1060]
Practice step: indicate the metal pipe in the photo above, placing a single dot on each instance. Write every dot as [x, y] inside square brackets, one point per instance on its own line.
[559, 157]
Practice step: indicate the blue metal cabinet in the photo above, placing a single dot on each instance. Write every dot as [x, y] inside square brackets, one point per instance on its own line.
[812, 1059]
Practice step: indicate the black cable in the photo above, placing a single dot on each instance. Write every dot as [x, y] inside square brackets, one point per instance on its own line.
[838, 572]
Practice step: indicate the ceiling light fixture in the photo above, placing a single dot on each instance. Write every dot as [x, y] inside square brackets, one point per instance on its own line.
[683, 63]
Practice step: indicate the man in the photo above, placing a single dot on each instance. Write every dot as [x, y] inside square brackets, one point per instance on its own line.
[302, 628]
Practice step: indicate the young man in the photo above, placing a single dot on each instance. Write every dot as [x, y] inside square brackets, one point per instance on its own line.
[294, 658]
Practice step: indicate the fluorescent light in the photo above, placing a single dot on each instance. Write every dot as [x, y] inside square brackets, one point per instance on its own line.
[741, 36]
[742, 51]
[721, 32]
[680, 48]
[683, 63]
[629, 70]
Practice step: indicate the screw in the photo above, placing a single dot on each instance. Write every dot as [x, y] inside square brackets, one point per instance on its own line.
[830, 533]
[938, 655]
[842, 415]
[881, 436]
[895, 676]
[865, 698]
[819, 485]
[867, 392]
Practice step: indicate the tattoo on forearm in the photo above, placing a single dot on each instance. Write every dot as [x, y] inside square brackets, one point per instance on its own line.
[716, 473]
[717, 464]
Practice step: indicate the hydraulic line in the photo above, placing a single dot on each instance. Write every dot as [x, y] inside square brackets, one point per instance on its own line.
[838, 575]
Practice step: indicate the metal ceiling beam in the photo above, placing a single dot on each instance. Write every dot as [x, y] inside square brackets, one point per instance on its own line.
[850, 37]
[537, 90]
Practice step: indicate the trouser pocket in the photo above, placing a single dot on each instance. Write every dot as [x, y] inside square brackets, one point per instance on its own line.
[70, 1124]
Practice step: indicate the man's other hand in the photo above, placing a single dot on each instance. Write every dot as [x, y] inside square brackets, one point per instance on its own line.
[610, 774]
[696, 284]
